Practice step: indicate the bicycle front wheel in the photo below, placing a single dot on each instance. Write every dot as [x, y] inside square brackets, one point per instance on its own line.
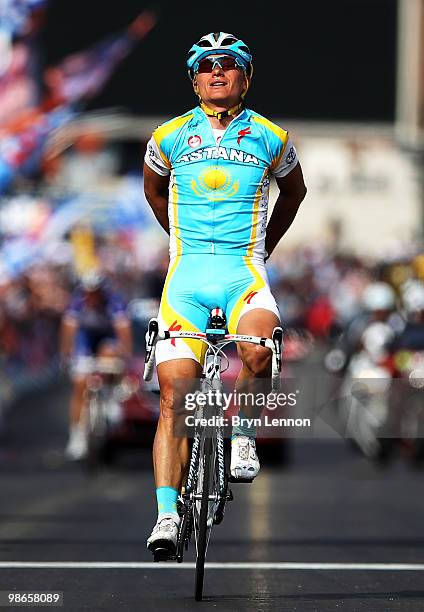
[204, 523]
[96, 429]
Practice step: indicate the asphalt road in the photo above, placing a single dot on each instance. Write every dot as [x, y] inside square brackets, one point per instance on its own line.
[329, 507]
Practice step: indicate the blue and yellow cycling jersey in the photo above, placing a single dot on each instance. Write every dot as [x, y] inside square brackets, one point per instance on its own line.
[218, 193]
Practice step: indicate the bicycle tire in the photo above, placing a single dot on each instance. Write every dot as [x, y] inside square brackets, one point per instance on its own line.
[95, 431]
[202, 539]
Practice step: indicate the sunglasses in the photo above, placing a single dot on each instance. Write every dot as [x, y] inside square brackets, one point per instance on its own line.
[225, 63]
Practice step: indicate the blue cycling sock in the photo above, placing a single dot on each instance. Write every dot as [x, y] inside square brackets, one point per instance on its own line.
[167, 500]
[244, 429]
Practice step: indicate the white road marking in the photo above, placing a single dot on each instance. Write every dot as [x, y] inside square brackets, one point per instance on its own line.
[381, 567]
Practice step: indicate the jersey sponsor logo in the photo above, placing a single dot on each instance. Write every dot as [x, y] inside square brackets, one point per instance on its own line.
[154, 159]
[215, 183]
[174, 327]
[242, 134]
[155, 164]
[219, 153]
[151, 150]
[291, 156]
[194, 141]
[194, 123]
[249, 297]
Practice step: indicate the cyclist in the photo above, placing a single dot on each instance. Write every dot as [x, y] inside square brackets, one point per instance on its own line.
[206, 177]
[412, 335]
[378, 306]
[94, 324]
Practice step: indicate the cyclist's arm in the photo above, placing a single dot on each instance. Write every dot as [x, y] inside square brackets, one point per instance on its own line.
[156, 192]
[292, 192]
[68, 332]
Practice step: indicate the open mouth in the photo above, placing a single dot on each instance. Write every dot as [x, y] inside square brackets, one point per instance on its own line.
[217, 84]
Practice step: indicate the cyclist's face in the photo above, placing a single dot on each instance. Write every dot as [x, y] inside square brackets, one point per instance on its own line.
[221, 87]
[93, 298]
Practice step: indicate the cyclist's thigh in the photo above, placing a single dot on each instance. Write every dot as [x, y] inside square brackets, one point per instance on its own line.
[179, 310]
[249, 292]
[258, 322]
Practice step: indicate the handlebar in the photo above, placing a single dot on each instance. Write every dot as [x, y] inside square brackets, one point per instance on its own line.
[153, 336]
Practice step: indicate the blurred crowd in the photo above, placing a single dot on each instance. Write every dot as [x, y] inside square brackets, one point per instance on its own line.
[316, 290]
[323, 291]
[32, 305]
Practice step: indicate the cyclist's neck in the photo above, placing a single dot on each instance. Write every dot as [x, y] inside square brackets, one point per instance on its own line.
[220, 118]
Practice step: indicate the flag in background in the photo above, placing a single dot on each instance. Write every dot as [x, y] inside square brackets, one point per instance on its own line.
[15, 15]
[22, 150]
[18, 90]
[26, 125]
[16, 21]
[82, 75]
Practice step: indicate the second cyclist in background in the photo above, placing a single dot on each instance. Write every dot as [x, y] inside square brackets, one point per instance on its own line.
[95, 324]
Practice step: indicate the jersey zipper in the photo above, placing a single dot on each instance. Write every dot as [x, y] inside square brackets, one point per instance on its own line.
[217, 163]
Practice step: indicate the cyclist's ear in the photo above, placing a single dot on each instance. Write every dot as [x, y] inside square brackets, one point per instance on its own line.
[246, 85]
[195, 86]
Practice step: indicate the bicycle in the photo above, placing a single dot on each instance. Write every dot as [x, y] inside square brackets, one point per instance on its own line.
[203, 499]
[102, 409]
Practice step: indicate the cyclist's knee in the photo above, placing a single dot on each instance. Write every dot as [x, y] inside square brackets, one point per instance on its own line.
[257, 360]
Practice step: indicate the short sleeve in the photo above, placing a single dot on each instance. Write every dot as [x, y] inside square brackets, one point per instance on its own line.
[75, 306]
[154, 159]
[287, 161]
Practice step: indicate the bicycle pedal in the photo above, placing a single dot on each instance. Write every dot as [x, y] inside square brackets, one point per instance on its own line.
[237, 480]
[163, 551]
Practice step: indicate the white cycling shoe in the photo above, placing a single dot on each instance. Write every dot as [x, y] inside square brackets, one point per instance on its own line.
[76, 448]
[245, 464]
[163, 540]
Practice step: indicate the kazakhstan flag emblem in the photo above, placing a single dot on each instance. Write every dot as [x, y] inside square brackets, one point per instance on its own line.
[215, 183]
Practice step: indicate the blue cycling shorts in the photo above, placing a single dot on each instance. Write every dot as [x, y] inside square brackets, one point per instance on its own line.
[87, 342]
[195, 284]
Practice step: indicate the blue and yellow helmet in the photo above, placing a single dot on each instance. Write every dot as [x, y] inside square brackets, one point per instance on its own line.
[219, 43]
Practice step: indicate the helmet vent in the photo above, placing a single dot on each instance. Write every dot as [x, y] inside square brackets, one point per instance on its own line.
[228, 41]
[204, 43]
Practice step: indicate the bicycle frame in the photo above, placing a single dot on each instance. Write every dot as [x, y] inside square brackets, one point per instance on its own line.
[102, 374]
